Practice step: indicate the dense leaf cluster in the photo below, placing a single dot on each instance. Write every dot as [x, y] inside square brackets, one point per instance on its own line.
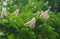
[13, 26]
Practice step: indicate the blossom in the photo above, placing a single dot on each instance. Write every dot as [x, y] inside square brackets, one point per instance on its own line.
[1, 33]
[16, 12]
[4, 3]
[34, 6]
[31, 23]
[38, 12]
[49, 8]
[44, 14]
[3, 12]
[46, 2]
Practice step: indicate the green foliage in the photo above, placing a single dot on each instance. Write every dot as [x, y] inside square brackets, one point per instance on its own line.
[14, 28]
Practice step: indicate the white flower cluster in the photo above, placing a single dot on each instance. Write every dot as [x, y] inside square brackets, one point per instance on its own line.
[16, 12]
[44, 14]
[46, 2]
[4, 3]
[31, 23]
[3, 12]
[1, 33]
[49, 7]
